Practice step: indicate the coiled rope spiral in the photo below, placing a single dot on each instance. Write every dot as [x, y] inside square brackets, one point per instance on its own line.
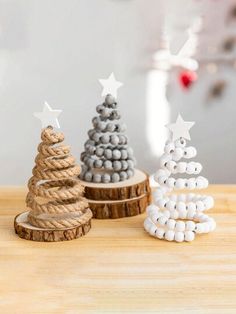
[55, 196]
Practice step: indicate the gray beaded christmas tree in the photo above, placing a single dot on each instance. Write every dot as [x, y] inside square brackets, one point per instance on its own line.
[107, 156]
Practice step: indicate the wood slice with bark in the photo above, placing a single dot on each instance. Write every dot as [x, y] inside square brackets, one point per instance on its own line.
[28, 232]
[137, 186]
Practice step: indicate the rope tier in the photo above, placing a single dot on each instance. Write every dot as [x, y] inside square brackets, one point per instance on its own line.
[55, 196]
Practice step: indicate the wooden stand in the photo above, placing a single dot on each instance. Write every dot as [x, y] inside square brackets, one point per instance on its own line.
[29, 232]
[118, 200]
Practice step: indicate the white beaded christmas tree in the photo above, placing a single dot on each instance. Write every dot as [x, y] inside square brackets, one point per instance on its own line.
[179, 217]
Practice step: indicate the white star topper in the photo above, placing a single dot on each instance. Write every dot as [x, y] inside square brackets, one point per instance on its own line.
[48, 116]
[110, 85]
[180, 128]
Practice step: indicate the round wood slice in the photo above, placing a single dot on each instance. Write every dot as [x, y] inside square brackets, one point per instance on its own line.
[29, 232]
[134, 187]
[119, 209]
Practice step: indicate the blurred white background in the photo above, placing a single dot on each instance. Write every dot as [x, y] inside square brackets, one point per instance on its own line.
[57, 50]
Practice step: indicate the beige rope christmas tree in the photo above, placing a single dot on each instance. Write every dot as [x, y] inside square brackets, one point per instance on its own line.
[55, 196]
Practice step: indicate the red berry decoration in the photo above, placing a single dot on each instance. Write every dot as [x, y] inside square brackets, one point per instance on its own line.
[187, 78]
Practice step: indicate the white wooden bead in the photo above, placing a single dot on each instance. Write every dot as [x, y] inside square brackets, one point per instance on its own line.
[164, 159]
[182, 213]
[198, 168]
[170, 165]
[191, 206]
[191, 183]
[162, 220]
[180, 142]
[159, 173]
[151, 209]
[190, 168]
[166, 213]
[169, 148]
[170, 205]
[162, 180]
[171, 224]
[157, 194]
[180, 183]
[155, 216]
[160, 233]
[180, 206]
[190, 225]
[189, 236]
[179, 236]
[200, 206]
[174, 214]
[161, 203]
[191, 213]
[178, 154]
[181, 167]
[206, 227]
[146, 224]
[169, 235]
[200, 183]
[170, 182]
[180, 226]
[199, 228]
[152, 230]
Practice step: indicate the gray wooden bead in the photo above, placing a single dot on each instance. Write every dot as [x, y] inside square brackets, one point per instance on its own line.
[130, 173]
[91, 150]
[88, 176]
[122, 139]
[106, 178]
[101, 126]
[99, 108]
[110, 127]
[116, 154]
[89, 143]
[90, 162]
[108, 153]
[97, 178]
[122, 127]
[95, 121]
[99, 151]
[130, 163]
[96, 137]
[117, 165]
[108, 165]
[124, 165]
[115, 177]
[110, 100]
[123, 175]
[98, 163]
[82, 156]
[91, 132]
[105, 138]
[124, 154]
[105, 113]
[130, 152]
[114, 140]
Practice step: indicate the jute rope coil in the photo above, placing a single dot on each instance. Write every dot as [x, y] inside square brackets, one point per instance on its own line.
[55, 197]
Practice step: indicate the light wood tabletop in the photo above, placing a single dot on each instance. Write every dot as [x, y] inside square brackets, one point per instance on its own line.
[118, 268]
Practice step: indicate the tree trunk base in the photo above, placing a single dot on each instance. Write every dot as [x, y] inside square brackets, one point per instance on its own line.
[28, 232]
[118, 200]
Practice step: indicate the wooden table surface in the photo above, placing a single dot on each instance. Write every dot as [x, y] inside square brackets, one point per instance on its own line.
[118, 268]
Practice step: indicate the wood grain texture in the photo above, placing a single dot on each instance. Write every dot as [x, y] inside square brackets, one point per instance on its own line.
[118, 268]
[119, 209]
[135, 187]
[118, 200]
[28, 232]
